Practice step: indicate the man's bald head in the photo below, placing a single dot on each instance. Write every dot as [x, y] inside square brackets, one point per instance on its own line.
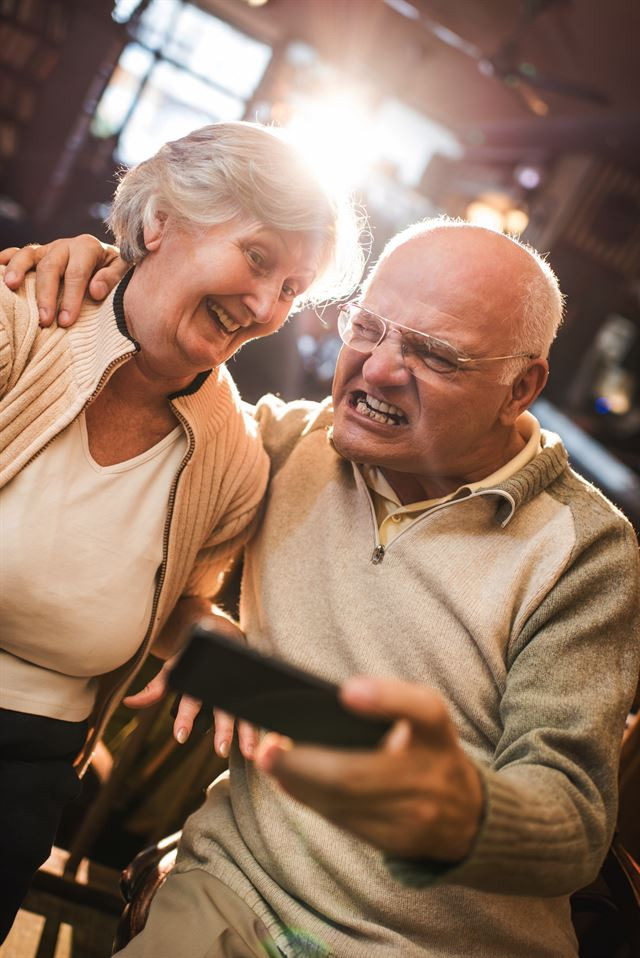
[487, 274]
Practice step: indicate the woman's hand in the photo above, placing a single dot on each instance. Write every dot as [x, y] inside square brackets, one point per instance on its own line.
[168, 644]
[83, 263]
[188, 709]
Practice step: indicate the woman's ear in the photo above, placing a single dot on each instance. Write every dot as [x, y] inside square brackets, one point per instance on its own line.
[525, 389]
[154, 233]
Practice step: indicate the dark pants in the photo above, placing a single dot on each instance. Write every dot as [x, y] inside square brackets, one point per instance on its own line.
[37, 780]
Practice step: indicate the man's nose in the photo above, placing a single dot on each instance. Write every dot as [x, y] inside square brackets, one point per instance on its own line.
[385, 365]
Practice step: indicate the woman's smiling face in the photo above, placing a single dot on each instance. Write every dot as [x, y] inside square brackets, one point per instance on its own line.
[200, 294]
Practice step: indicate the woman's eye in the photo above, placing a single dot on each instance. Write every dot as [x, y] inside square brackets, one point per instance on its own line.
[288, 292]
[256, 258]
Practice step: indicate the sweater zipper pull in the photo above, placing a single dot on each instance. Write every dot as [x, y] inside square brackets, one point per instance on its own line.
[378, 555]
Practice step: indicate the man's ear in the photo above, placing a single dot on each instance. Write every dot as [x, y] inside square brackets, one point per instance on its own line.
[154, 233]
[524, 390]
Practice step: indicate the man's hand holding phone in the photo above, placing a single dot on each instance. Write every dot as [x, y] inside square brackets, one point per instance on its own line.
[379, 757]
[417, 796]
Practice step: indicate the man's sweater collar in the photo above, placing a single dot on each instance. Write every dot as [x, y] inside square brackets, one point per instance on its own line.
[534, 478]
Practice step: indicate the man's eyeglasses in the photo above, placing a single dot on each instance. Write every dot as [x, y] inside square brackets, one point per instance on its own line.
[362, 330]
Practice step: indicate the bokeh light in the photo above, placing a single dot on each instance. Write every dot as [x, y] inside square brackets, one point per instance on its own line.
[335, 132]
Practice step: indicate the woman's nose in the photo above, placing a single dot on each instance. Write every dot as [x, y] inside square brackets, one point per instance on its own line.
[262, 301]
[385, 365]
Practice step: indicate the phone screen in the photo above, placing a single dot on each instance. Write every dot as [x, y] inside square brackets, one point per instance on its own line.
[269, 692]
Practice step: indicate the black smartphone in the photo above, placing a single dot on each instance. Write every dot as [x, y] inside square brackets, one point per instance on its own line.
[269, 692]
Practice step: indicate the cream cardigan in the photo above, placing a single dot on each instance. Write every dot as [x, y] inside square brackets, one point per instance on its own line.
[48, 376]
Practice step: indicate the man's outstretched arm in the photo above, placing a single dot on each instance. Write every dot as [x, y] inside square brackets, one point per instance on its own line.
[549, 794]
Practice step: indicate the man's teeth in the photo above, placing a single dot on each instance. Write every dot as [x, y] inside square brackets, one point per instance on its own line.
[223, 318]
[380, 411]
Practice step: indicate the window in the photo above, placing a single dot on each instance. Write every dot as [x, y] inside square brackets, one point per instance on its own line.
[183, 68]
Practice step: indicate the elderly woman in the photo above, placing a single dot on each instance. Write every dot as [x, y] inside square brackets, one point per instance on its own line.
[129, 472]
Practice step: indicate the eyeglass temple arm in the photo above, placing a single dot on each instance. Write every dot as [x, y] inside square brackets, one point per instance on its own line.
[490, 359]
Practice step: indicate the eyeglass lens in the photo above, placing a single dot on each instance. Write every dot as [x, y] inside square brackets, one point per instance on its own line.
[364, 331]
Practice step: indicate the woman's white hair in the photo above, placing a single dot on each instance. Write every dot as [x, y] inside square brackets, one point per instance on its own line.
[232, 169]
[539, 300]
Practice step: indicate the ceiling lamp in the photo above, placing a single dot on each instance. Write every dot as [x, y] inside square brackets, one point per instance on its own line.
[483, 214]
[496, 211]
[515, 221]
[528, 176]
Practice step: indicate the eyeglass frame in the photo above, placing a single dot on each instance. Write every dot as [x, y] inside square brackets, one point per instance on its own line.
[388, 323]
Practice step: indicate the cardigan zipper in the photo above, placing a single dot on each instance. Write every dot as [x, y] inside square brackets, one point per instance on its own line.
[167, 524]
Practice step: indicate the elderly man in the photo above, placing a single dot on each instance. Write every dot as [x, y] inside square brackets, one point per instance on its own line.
[426, 545]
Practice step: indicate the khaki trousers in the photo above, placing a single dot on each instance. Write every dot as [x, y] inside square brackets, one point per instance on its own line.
[194, 915]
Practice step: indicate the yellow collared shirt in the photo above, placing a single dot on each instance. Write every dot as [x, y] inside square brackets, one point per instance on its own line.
[393, 517]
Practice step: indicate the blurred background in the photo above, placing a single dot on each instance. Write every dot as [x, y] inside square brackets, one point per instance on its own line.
[520, 115]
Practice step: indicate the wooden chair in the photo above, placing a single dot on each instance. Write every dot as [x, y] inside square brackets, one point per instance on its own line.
[139, 882]
[606, 914]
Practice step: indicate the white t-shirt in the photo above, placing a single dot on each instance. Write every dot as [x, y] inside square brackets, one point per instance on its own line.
[80, 547]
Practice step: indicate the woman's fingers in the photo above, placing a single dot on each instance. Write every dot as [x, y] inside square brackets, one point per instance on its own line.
[187, 712]
[223, 732]
[150, 694]
[248, 739]
[248, 735]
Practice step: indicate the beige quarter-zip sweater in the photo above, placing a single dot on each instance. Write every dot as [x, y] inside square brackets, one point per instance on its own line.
[48, 376]
[518, 603]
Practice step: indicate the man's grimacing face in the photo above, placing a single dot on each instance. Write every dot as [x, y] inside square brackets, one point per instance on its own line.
[455, 284]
